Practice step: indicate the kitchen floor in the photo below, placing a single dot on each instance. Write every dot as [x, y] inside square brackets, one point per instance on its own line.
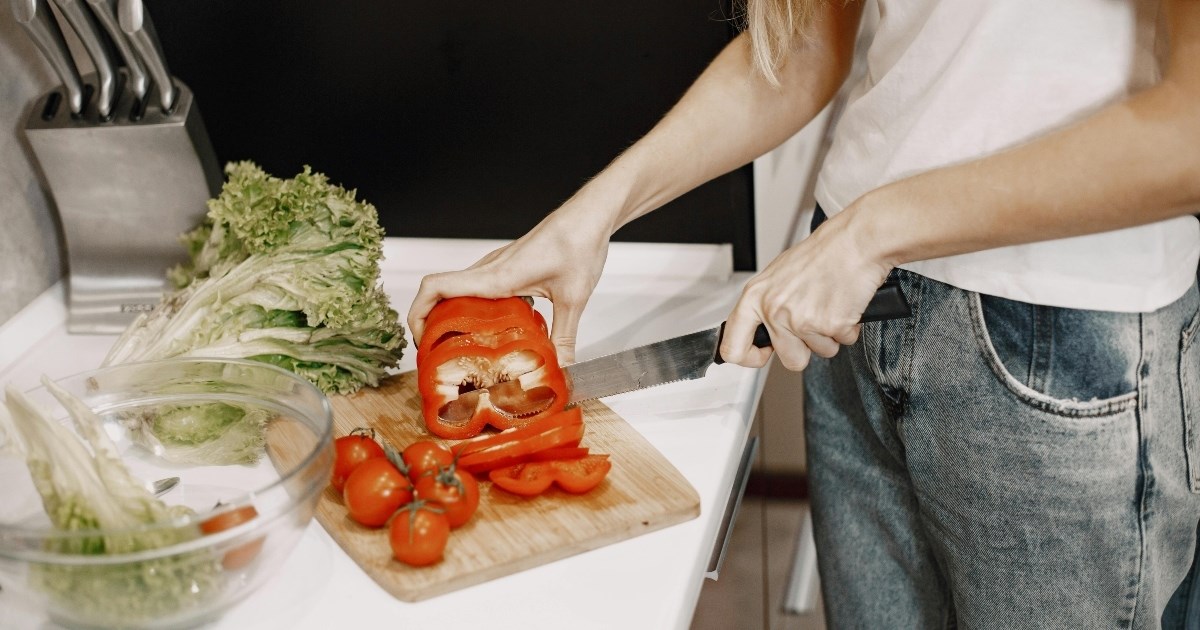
[751, 592]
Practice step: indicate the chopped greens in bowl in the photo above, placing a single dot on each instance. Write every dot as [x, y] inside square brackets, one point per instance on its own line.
[83, 535]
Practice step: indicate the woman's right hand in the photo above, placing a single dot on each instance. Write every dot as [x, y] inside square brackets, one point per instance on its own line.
[560, 259]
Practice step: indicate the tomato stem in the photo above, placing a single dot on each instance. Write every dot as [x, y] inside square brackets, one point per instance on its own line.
[446, 476]
[395, 457]
[412, 507]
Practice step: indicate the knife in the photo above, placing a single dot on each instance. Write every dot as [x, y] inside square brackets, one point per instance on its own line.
[131, 15]
[688, 357]
[680, 358]
[106, 14]
[84, 25]
[35, 16]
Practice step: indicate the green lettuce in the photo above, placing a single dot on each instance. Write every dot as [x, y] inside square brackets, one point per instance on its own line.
[284, 271]
[213, 434]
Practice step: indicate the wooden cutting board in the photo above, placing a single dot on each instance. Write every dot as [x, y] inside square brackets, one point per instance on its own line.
[643, 492]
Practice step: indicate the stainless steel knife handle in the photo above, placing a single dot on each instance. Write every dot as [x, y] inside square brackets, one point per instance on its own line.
[131, 15]
[84, 24]
[887, 303]
[35, 17]
[106, 14]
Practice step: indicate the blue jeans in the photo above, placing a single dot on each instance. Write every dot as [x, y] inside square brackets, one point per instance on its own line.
[993, 464]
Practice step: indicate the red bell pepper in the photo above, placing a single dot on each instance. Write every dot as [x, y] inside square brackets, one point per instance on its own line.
[552, 432]
[559, 452]
[473, 315]
[471, 344]
[576, 476]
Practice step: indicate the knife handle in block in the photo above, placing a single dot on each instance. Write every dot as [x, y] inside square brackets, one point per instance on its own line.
[887, 303]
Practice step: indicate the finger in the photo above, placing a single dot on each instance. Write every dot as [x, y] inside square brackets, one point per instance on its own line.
[439, 286]
[791, 351]
[755, 357]
[820, 345]
[849, 336]
[737, 341]
[427, 296]
[563, 330]
[794, 356]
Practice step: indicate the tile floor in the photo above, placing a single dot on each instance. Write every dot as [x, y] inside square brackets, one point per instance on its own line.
[753, 582]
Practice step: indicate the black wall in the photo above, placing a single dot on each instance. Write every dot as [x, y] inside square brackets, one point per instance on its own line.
[456, 119]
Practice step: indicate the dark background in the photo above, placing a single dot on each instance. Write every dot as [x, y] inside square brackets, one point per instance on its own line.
[456, 119]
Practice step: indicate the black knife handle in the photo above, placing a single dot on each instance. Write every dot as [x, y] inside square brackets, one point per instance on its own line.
[887, 303]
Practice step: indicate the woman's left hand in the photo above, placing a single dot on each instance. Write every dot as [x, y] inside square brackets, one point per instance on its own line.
[810, 298]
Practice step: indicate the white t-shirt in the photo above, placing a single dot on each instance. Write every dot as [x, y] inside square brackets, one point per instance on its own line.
[947, 82]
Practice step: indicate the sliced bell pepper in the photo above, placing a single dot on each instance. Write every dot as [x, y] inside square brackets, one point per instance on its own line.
[473, 315]
[471, 344]
[551, 432]
[576, 476]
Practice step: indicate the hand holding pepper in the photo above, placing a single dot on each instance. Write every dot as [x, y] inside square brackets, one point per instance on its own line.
[560, 259]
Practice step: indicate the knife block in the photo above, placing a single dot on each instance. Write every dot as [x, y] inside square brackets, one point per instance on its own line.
[125, 189]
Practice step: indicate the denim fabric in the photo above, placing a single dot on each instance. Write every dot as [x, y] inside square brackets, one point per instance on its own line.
[993, 464]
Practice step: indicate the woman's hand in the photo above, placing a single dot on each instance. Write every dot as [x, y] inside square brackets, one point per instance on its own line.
[560, 259]
[810, 298]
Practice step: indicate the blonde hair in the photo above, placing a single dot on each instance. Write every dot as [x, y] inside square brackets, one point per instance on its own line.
[773, 25]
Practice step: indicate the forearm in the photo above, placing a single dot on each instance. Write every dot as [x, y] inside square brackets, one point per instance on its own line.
[728, 117]
[1134, 162]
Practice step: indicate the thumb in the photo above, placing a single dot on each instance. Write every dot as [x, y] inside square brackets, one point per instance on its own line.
[563, 330]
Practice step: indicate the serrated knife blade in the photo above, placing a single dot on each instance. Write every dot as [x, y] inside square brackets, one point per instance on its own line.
[678, 359]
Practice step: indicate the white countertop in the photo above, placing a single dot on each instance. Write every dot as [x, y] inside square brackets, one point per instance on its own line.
[648, 292]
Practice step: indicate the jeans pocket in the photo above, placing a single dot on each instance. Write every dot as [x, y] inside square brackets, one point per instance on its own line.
[1189, 389]
[1067, 362]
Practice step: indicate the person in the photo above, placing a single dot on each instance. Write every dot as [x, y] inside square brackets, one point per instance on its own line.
[1024, 451]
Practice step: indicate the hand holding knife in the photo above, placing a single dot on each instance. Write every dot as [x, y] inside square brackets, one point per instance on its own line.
[887, 303]
[689, 356]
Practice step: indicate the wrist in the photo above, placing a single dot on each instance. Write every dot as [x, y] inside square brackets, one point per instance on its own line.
[614, 197]
[597, 208]
[874, 232]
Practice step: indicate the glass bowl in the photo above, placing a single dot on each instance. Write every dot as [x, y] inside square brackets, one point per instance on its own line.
[246, 518]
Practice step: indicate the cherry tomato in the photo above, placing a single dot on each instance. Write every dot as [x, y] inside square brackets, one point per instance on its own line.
[241, 555]
[350, 451]
[418, 534]
[374, 491]
[425, 457]
[456, 491]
